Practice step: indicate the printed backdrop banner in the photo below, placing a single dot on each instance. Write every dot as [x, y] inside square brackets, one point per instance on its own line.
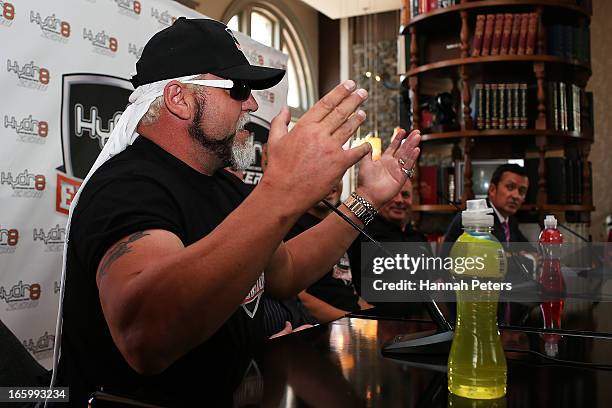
[64, 70]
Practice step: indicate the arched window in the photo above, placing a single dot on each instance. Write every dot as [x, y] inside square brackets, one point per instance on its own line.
[269, 25]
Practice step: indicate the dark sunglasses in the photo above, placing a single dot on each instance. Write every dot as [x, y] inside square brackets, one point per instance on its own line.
[239, 91]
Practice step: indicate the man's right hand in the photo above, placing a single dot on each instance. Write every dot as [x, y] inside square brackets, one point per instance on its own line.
[306, 162]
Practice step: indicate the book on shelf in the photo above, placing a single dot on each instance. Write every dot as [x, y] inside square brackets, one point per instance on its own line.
[523, 106]
[556, 180]
[501, 123]
[423, 6]
[437, 184]
[501, 106]
[488, 35]
[428, 184]
[564, 106]
[569, 42]
[494, 98]
[514, 34]
[478, 112]
[478, 34]
[522, 41]
[498, 28]
[506, 34]
[532, 32]
[564, 180]
[418, 7]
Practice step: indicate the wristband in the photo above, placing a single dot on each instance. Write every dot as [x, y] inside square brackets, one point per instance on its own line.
[361, 207]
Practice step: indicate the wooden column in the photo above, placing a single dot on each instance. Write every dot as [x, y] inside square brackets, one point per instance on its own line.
[538, 68]
[464, 73]
[414, 57]
[405, 13]
[413, 81]
[468, 192]
[542, 196]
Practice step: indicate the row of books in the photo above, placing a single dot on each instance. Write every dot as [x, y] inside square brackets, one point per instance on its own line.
[501, 106]
[564, 106]
[569, 42]
[437, 184]
[564, 180]
[425, 6]
[505, 34]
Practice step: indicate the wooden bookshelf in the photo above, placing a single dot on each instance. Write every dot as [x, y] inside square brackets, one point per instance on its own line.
[510, 133]
[453, 63]
[479, 5]
[464, 71]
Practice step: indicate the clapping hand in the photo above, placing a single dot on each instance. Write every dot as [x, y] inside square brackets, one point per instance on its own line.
[380, 180]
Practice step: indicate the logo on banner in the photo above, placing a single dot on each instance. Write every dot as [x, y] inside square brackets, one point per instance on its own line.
[254, 173]
[24, 184]
[135, 50]
[20, 296]
[130, 8]
[103, 43]
[41, 347]
[28, 130]
[9, 238]
[250, 304]
[164, 18]
[52, 27]
[266, 96]
[7, 13]
[30, 75]
[254, 57]
[53, 239]
[259, 133]
[91, 107]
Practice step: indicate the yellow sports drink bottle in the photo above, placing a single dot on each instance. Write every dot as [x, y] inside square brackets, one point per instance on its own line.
[476, 364]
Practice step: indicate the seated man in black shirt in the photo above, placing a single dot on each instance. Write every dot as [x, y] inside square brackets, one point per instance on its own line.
[392, 224]
[166, 259]
[332, 296]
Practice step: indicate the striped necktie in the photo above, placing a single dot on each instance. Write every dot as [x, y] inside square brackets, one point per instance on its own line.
[506, 230]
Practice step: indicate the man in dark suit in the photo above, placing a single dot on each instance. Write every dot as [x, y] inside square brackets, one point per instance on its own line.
[507, 192]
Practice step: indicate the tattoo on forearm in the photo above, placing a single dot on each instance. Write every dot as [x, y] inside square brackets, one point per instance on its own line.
[119, 250]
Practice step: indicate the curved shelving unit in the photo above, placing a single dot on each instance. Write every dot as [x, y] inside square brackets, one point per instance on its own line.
[493, 59]
[496, 3]
[502, 132]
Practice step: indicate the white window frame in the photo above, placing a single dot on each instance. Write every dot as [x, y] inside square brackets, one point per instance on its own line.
[285, 33]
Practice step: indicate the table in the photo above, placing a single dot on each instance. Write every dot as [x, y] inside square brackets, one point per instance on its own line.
[341, 365]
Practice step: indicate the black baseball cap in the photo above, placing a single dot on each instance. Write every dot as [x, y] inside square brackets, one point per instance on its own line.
[199, 46]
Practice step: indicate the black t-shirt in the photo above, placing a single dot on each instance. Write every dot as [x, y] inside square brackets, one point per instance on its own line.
[143, 188]
[336, 286]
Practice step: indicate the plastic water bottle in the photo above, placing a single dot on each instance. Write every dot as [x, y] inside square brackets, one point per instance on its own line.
[552, 282]
[477, 364]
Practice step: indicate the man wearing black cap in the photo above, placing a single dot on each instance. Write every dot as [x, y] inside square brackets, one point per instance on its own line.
[166, 259]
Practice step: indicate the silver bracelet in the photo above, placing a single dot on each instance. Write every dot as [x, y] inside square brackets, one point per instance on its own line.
[361, 207]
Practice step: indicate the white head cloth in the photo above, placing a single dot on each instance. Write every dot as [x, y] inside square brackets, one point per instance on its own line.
[122, 136]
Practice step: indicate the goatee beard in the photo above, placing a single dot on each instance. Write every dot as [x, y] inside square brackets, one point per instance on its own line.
[236, 155]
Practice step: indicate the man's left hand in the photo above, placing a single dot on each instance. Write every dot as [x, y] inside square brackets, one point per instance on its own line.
[380, 180]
